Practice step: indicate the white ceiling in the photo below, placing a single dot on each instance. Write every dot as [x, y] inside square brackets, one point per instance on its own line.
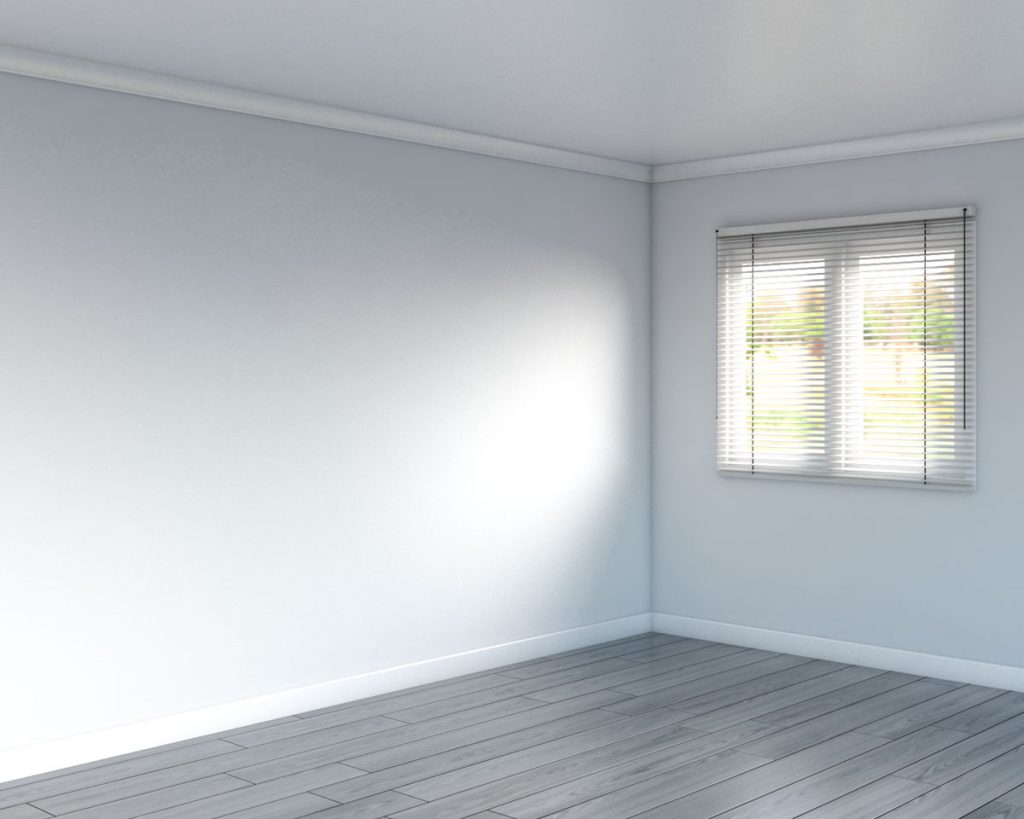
[651, 81]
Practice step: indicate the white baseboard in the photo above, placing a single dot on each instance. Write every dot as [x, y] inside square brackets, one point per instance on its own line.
[890, 659]
[75, 750]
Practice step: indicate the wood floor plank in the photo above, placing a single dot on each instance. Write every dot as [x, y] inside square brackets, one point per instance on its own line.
[520, 688]
[250, 796]
[754, 707]
[125, 768]
[708, 684]
[1014, 797]
[743, 692]
[967, 792]
[694, 656]
[151, 801]
[648, 655]
[746, 787]
[266, 770]
[871, 801]
[572, 727]
[23, 812]
[928, 713]
[561, 662]
[291, 807]
[807, 794]
[428, 746]
[372, 807]
[705, 668]
[987, 715]
[841, 698]
[791, 740]
[529, 740]
[634, 672]
[488, 795]
[585, 788]
[651, 730]
[694, 775]
[996, 810]
[449, 797]
[144, 783]
[974, 750]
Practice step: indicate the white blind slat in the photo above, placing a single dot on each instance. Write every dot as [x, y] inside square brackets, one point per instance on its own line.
[846, 350]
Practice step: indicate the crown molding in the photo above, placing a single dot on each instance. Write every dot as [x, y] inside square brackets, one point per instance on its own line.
[978, 133]
[58, 68]
[47, 66]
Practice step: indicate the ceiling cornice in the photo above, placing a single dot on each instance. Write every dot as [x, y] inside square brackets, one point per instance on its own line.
[47, 66]
[979, 133]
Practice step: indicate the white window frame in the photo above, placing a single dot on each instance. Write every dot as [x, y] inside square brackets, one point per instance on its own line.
[836, 458]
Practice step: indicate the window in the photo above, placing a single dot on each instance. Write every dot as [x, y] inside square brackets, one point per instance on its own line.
[846, 349]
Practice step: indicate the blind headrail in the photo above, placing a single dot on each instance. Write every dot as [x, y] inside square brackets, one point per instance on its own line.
[848, 221]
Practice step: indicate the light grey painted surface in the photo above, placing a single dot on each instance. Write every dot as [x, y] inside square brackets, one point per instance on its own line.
[935, 572]
[283, 405]
[654, 81]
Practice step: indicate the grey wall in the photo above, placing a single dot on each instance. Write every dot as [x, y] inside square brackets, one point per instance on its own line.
[283, 405]
[936, 572]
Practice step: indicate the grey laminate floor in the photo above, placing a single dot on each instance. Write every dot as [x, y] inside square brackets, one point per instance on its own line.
[653, 726]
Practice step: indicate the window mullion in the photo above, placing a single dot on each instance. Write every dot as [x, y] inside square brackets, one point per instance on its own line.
[834, 352]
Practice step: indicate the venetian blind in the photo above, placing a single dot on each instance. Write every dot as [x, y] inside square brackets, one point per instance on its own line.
[846, 349]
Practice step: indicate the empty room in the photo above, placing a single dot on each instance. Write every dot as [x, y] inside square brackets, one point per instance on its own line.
[511, 409]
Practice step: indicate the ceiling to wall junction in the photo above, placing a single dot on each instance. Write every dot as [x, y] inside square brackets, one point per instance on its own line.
[649, 81]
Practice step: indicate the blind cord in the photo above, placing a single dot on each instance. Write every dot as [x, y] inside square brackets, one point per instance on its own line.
[753, 313]
[924, 346]
[963, 273]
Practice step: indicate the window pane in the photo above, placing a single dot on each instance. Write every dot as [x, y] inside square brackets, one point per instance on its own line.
[907, 364]
[785, 373]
